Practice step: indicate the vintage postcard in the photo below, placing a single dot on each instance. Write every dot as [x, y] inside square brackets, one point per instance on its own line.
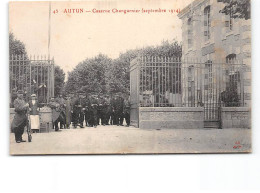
[130, 77]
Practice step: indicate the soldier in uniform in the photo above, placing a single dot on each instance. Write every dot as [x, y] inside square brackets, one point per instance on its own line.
[82, 108]
[118, 105]
[20, 118]
[94, 110]
[112, 113]
[127, 111]
[61, 101]
[78, 110]
[55, 113]
[87, 113]
[107, 110]
[102, 110]
[75, 115]
[68, 110]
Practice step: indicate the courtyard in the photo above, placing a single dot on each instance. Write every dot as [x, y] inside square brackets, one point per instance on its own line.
[130, 140]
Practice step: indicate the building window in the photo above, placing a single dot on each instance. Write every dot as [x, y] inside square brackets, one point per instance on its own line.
[233, 83]
[190, 33]
[229, 23]
[207, 23]
[229, 19]
[231, 57]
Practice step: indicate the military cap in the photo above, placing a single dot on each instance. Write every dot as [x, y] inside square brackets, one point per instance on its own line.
[33, 95]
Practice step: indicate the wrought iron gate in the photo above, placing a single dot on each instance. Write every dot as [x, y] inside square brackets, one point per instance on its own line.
[32, 75]
[171, 82]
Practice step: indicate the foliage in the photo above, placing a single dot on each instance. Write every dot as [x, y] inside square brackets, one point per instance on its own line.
[104, 75]
[89, 75]
[59, 80]
[16, 47]
[237, 8]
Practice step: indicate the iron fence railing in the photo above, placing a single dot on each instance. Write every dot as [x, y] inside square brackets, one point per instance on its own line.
[172, 82]
[32, 75]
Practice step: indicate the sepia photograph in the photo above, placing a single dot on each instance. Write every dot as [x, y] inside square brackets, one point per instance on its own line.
[130, 77]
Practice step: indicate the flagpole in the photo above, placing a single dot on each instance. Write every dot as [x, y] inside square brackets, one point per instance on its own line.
[49, 31]
[51, 63]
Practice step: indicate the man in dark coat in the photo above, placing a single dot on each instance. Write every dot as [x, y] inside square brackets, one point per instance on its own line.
[107, 109]
[112, 112]
[75, 115]
[81, 108]
[118, 105]
[127, 111]
[101, 110]
[68, 110]
[61, 101]
[20, 118]
[55, 113]
[78, 112]
[94, 110]
[87, 113]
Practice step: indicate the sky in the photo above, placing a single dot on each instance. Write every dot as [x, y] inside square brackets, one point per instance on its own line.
[77, 36]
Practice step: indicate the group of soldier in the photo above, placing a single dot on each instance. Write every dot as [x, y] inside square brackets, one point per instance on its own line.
[81, 109]
[78, 109]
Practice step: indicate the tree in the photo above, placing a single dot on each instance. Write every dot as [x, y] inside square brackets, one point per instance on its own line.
[237, 8]
[89, 75]
[59, 80]
[16, 47]
[119, 75]
[104, 75]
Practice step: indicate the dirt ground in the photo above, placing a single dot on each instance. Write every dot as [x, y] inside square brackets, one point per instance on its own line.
[130, 140]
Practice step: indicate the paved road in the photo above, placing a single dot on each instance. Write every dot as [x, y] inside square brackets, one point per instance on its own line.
[119, 139]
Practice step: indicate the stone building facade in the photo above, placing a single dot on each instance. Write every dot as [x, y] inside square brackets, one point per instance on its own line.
[211, 37]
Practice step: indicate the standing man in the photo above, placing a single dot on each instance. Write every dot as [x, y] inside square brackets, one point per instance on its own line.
[118, 108]
[127, 111]
[75, 114]
[68, 111]
[87, 111]
[55, 113]
[20, 118]
[107, 109]
[81, 108]
[61, 101]
[94, 110]
[101, 110]
[34, 113]
[113, 104]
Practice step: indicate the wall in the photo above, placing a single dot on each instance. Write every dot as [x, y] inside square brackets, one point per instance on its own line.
[45, 117]
[171, 117]
[235, 117]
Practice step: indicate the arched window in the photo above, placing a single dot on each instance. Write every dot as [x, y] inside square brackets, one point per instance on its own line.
[207, 22]
[190, 32]
[230, 58]
[233, 83]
